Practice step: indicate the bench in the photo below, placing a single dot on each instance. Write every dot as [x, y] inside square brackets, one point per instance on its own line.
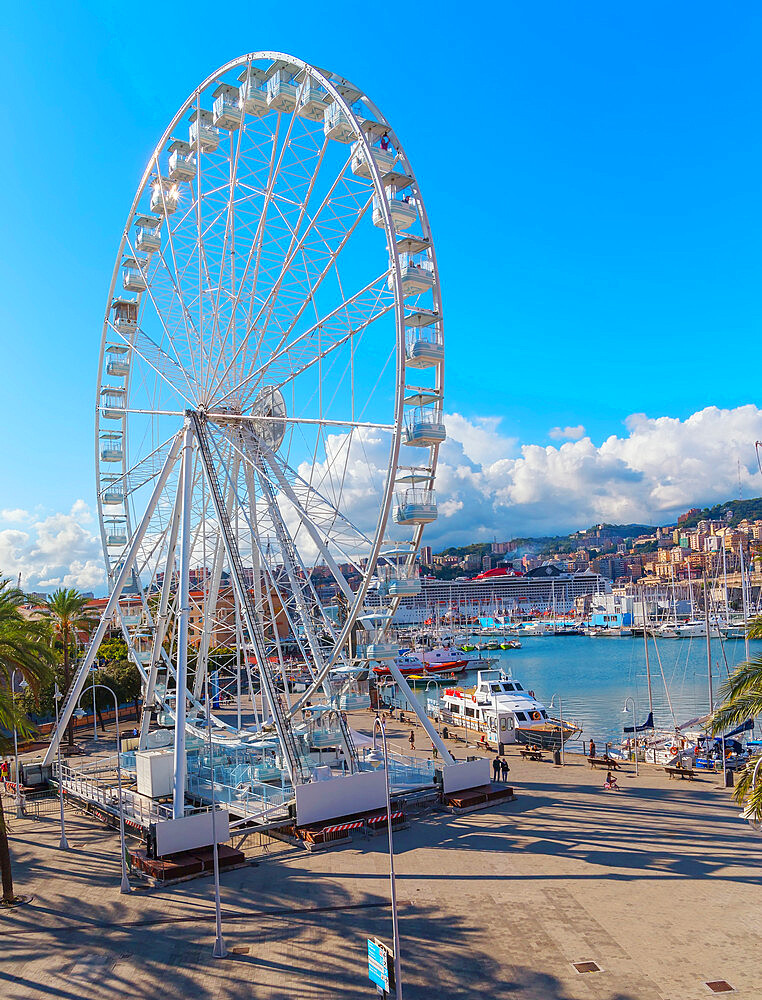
[532, 754]
[607, 762]
[684, 772]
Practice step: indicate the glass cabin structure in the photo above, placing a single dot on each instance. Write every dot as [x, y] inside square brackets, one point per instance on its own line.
[182, 162]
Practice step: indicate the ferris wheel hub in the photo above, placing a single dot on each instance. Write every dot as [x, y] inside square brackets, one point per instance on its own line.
[269, 416]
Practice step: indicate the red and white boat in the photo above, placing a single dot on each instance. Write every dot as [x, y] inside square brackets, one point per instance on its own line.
[408, 663]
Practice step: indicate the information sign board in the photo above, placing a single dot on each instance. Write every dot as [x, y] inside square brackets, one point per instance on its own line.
[378, 964]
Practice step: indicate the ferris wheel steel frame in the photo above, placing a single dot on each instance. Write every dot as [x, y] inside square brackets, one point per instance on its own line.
[263, 466]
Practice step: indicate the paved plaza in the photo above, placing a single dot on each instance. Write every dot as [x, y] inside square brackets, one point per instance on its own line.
[659, 885]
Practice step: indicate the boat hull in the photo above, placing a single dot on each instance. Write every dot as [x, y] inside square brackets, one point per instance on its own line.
[455, 667]
[545, 737]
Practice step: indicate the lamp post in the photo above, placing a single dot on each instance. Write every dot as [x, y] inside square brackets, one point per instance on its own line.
[378, 724]
[95, 714]
[125, 886]
[220, 950]
[439, 717]
[63, 843]
[634, 725]
[561, 720]
[19, 810]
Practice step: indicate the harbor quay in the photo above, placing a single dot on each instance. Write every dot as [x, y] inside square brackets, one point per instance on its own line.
[657, 887]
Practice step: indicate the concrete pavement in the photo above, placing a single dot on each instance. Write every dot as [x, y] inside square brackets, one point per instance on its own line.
[659, 885]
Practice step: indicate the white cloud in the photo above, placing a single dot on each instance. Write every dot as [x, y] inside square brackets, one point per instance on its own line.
[658, 468]
[57, 550]
[486, 484]
[16, 515]
[567, 433]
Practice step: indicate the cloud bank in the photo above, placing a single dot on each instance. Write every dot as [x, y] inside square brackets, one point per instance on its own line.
[487, 483]
[54, 550]
[658, 468]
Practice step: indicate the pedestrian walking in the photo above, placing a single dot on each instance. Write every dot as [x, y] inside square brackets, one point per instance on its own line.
[434, 753]
[504, 769]
[496, 768]
[412, 740]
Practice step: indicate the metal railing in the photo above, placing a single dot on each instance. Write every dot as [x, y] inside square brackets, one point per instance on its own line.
[90, 785]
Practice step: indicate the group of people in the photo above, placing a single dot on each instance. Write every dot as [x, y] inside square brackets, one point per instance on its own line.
[500, 768]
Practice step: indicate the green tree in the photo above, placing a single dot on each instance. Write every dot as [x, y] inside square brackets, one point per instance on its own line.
[68, 614]
[24, 652]
[742, 700]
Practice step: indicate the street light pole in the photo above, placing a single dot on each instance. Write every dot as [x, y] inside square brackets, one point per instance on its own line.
[634, 726]
[125, 885]
[378, 724]
[19, 811]
[95, 714]
[561, 720]
[63, 843]
[439, 716]
[220, 950]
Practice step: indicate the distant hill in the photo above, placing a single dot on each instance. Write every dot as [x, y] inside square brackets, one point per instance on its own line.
[738, 511]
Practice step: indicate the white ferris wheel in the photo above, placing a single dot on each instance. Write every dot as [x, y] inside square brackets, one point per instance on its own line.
[269, 405]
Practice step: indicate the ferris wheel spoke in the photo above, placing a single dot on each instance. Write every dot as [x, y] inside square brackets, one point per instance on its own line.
[343, 337]
[159, 314]
[373, 290]
[254, 254]
[176, 277]
[296, 246]
[229, 235]
[289, 253]
[314, 278]
[258, 244]
[270, 198]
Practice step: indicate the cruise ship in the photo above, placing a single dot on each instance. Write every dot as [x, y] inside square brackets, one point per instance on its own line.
[542, 589]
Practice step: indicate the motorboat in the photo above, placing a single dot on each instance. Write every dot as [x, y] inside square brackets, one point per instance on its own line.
[408, 663]
[500, 707]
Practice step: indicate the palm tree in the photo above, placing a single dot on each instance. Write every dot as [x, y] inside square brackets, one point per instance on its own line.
[742, 700]
[25, 651]
[68, 614]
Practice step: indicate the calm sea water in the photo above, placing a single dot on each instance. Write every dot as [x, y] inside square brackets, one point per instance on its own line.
[593, 676]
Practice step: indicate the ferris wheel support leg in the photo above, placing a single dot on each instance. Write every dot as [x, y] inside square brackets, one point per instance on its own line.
[354, 599]
[251, 615]
[210, 610]
[305, 519]
[431, 732]
[290, 556]
[250, 486]
[162, 619]
[180, 764]
[81, 677]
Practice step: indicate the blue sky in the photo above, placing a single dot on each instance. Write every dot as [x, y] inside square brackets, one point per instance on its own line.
[591, 174]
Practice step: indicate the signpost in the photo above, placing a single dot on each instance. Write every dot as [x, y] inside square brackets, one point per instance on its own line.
[380, 965]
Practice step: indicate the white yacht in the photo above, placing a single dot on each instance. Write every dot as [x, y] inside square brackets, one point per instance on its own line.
[500, 707]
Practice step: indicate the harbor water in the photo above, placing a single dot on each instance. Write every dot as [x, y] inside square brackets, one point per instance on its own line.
[594, 675]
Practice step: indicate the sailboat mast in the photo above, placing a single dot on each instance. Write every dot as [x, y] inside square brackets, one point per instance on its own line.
[743, 600]
[725, 583]
[645, 642]
[708, 643]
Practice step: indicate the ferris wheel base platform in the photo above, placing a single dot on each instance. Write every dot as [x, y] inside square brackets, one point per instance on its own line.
[186, 865]
[474, 799]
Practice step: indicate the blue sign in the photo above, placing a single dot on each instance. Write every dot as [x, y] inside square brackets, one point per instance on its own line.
[378, 964]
